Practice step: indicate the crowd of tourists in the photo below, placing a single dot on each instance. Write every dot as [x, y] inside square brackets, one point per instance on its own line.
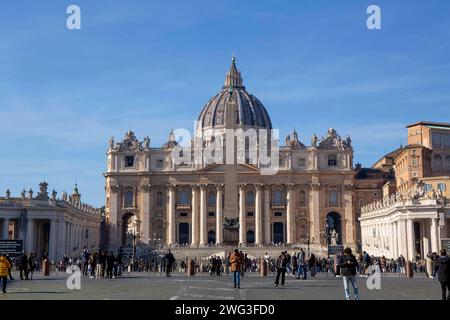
[108, 265]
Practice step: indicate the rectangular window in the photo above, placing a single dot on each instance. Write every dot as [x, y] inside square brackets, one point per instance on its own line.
[441, 187]
[129, 161]
[159, 163]
[249, 214]
[428, 187]
[332, 160]
[301, 162]
[333, 200]
[281, 163]
[436, 140]
[211, 199]
[211, 214]
[183, 197]
[278, 214]
[183, 214]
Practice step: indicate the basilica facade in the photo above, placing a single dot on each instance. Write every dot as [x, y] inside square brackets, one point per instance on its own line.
[313, 197]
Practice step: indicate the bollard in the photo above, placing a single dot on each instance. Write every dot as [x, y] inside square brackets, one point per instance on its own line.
[191, 268]
[263, 268]
[45, 268]
[409, 269]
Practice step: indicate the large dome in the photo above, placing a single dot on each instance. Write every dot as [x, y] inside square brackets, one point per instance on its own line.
[249, 111]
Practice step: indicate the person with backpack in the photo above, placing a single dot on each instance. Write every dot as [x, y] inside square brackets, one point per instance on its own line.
[347, 263]
[282, 263]
[443, 273]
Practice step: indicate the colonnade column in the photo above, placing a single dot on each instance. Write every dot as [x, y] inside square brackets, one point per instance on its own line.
[242, 220]
[53, 239]
[5, 231]
[219, 215]
[203, 217]
[171, 216]
[194, 214]
[411, 242]
[29, 235]
[434, 235]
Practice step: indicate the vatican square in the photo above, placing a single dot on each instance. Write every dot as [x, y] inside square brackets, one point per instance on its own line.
[158, 151]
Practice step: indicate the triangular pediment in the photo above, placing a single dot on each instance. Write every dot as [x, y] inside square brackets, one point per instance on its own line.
[220, 168]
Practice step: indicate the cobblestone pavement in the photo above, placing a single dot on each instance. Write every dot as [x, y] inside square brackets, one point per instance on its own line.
[204, 287]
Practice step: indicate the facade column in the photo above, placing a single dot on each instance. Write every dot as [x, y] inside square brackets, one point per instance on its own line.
[29, 236]
[349, 217]
[434, 235]
[314, 209]
[145, 209]
[258, 216]
[219, 215]
[171, 216]
[242, 220]
[289, 214]
[203, 216]
[113, 219]
[5, 231]
[267, 215]
[410, 235]
[195, 217]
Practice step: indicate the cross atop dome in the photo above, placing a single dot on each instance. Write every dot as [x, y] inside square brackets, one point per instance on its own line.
[233, 78]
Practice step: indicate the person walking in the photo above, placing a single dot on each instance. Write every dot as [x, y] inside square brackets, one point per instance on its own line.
[84, 262]
[10, 267]
[301, 262]
[282, 263]
[348, 264]
[443, 273]
[170, 259]
[23, 266]
[236, 267]
[4, 267]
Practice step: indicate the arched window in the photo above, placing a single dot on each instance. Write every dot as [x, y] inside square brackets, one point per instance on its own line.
[128, 199]
[250, 198]
[159, 199]
[301, 198]
[211, 199]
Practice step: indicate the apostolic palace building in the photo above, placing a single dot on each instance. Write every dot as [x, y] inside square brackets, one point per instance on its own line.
[315, 195]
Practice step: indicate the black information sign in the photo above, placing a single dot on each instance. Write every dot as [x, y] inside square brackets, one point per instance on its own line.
[12, 247]
[335, 249]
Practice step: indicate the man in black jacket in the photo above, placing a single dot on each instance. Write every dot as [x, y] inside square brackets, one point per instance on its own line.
[281, 268]
[170, 260]
[348, 264]
[443, 273]
[23, 266]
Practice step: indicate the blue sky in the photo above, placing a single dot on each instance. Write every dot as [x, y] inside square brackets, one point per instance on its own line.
[150, 66]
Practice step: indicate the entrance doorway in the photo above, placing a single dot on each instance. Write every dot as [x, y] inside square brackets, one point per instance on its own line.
[183, 233]
[278, 232]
